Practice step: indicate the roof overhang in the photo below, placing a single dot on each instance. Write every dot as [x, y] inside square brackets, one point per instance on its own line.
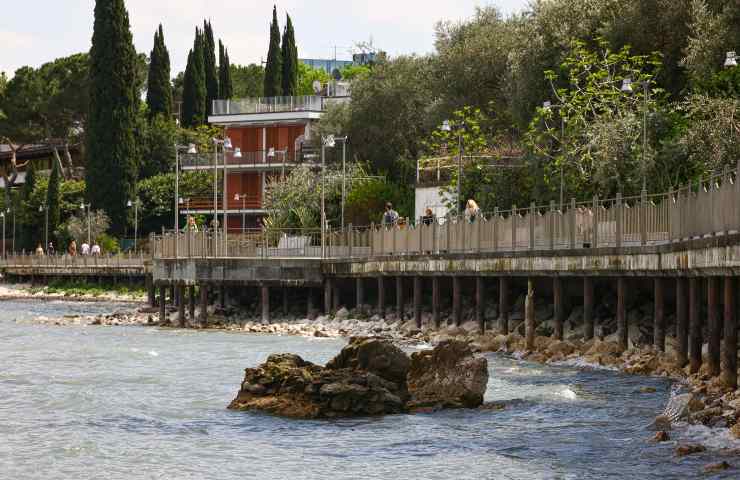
[263, 118]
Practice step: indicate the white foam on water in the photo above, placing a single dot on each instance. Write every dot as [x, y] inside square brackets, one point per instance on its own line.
[713, 438]
[582, 363]
[568, 394]
[153, 353]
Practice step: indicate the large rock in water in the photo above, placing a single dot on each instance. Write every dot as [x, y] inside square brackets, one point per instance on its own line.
[368, 377]
[448, 376]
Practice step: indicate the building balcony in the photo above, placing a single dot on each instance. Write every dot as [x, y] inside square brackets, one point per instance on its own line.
[244, 106]
[260, 160]
[247, 203]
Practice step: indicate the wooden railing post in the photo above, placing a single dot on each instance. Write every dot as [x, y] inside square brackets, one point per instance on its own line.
[513, 227]
[351, 240]
[643, 217]
[551, 225]
[495, 229]
[572, 214]
[618, 220]
[595, 223]
[532, 219]
[478, 227]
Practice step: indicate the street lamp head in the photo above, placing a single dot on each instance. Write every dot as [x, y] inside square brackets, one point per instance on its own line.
[82, 206]
[191, 149]
[329, 141]
[41, 208]
[446, 127]
[547, 104]
[238, 153]
[129, 204]
[731, 60]
[180, 201]
[627, 85]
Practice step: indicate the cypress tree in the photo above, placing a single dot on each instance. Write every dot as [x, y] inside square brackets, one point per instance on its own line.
[274, 67]
[226, 88]
[194, 86]
[29, 225]
[290, 60]
[159, 87]
[209, 62]
[52, 198]
[112, 161]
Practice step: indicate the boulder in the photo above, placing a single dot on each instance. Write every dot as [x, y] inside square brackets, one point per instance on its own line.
[373, 355]
[448, 376]
[683, 450]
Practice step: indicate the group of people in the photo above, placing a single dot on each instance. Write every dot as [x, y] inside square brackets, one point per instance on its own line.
[391, 217]
[85, 249]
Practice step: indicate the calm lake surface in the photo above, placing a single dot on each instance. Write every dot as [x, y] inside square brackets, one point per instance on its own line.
[120, 403]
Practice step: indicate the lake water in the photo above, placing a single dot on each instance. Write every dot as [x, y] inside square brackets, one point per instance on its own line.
[128, 402]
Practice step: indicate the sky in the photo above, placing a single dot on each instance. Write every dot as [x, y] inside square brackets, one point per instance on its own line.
[33, 32]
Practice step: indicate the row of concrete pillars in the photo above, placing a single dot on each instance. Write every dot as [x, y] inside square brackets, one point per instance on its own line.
[721, 312]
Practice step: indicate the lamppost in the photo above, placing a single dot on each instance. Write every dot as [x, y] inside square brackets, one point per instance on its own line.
[344, 173]
[327, 141]
[731, 60]
[243, 198]
[447, 127]
[135, 204]
[45, 208]
[191, 150]
[627, 88]
[225, 145]
[84, 207]
[547, 105]
[2, 214]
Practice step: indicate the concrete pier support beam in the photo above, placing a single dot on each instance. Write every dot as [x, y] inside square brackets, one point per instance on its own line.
[381, 297]
[162, 305]
[435, 302]
[695, 336]
[417, 301]
[715, 325]
[682, 321]
[529, 321]
[222, 296]
[480, 299]
[328, 291]
[729, 351]
[457, 300]
[659, 315]
[151, 291]
[285, 301]
[622, 327]
[265, 291]
[309, 305]
[181, 306]
[503, 305]
[399, 298]
[359, 294]
[559, 311]
[203, 305]
[173, 297]
[191, 303]
[336, 296]
[588, 308]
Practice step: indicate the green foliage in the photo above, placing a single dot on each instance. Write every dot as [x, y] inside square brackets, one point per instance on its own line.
[108, 244]
[53, 197]
[194, 93]
[248, 81]
[159, 156]
[112, 162]
[159, 88]
[225, 86]
[209, 63]
[77, 226]
[290, 61]
[80, 287]
[157, 195]
[366, 201]
[307, 75]
[350, 72]
[274, 66]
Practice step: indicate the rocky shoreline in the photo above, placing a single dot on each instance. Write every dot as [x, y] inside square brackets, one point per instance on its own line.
[27, 292]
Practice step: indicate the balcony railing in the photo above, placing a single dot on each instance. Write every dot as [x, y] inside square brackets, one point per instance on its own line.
[259, 158]
[251, 202]
[268, 105]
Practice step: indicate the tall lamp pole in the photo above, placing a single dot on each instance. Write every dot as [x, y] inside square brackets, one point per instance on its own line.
[327, 141]
[547, 105]
[135, 204]
[447, 127]
[627, 88]
[85, 207]
[225, 145]
[344, 174]
[191, 150]
[2, 214]
[45, 208]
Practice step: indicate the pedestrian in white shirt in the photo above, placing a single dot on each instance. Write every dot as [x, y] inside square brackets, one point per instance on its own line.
[85, 249]
[95, 251]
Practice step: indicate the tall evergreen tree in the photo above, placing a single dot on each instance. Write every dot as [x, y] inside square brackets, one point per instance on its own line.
[209, 62]
[159, 86]
[194, 86]
[226, 88]
[29, 224]
[290, 60]
[274, 67]
[52, 197]
[112, 161]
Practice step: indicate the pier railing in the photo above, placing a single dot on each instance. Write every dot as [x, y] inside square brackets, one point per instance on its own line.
[124, 260]
[709, 207]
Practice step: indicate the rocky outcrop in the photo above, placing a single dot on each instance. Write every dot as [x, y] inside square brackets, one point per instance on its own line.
[449, 376]
[370, 376]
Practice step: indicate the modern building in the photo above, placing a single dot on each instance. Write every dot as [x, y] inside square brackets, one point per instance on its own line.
[269, 137]
[326, 65]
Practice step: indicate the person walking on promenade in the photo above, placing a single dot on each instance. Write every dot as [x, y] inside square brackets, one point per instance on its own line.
[72, 248]
[95, 250]
[85, 249]
[190, 225]
[390, 217]
[39, 251]
[428, 217]
[472, 211]
[50, 249]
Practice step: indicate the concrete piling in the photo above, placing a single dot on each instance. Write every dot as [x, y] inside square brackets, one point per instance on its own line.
[162, 305]
[435, 302]
[203, 305]
[181, 306]
[557, 293]
[417, 301]
[695, 336]
[588, 308]
[715, 325]
[328, 291]
[359, 294]
[682, 322]
[399, 298]
[381, 297]
[729, 351]
[309, 305]
[622, 327]
[265, 291]
[480, 299]
[456, 301]
[503, 305]
[659, 315]
[191, 303]
[529, 320]
[285, 301]
[150, 291]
